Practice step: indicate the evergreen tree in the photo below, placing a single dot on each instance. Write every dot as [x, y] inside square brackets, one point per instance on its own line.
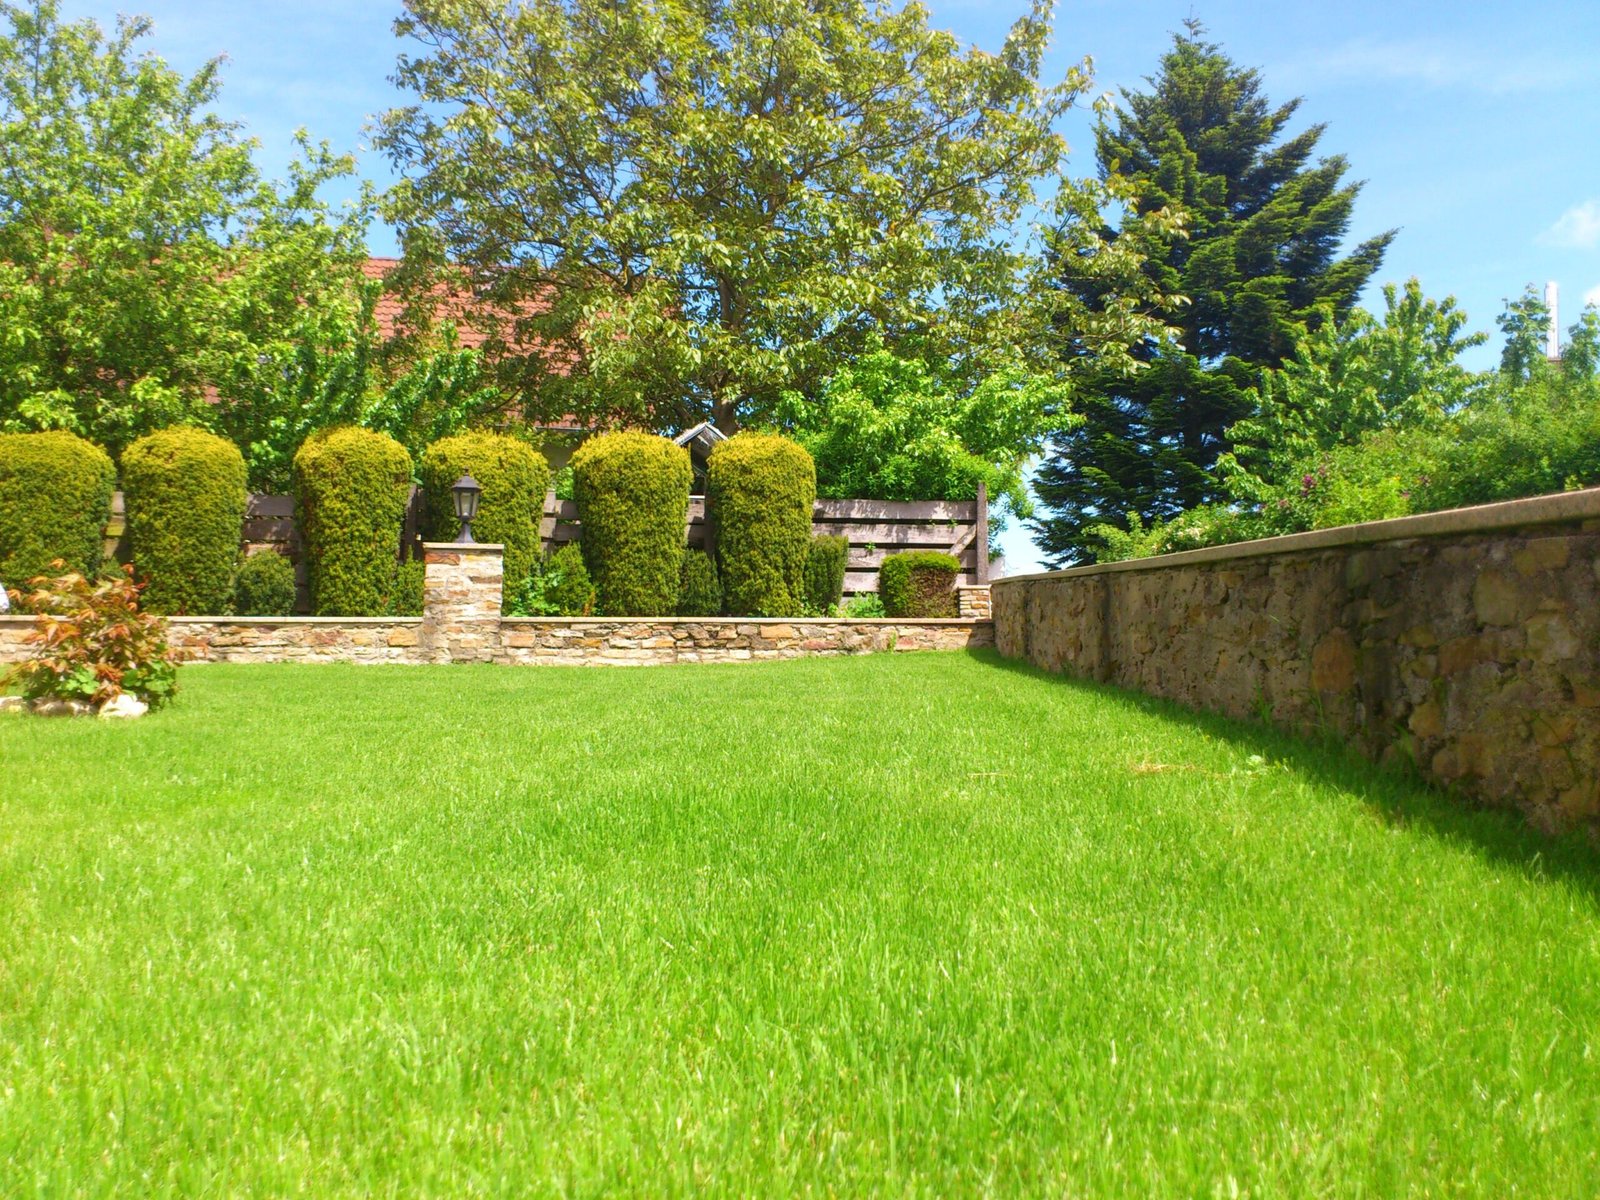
[1258, 266]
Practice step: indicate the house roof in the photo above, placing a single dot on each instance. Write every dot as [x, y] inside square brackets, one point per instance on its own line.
[460, 307]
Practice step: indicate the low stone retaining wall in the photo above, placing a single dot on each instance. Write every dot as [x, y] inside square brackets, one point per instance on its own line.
[544, 640]
[587, 640]
[1466, 641]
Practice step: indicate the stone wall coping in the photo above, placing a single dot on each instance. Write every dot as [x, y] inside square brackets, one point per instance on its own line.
[473, 547]
[29, 619]
[1483, 518]
[808, 622]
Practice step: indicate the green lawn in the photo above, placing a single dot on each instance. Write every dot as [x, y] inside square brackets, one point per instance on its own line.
[918, 924]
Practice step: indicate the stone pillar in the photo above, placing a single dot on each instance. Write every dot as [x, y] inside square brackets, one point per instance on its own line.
[461, 601]
[974, 603]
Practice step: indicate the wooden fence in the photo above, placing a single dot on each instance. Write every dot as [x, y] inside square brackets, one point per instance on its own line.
[875, 529]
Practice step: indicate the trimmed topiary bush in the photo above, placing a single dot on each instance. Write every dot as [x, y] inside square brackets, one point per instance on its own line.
[699, 589]
[919, 583]
[514, 477]
[351, 486]
[185, 495]
[760, 490]
[55, 500]
[825, 563]
[632, 491]
[264, 586]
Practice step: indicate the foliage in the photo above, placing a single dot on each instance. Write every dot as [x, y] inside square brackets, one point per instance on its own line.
[332, 369]
[826, 560]
[514, 477]
[865, 607]
[142, 257]
[351, 487]
[558, 586]
[55, 500]
[409, 594]
[1457, 440]
[708, 206]
[632, 491]
[264, 586]
[92, 642]
[699, 588]
[760, 493]
[1254, 267]
[919, 583]
[185, 495]
[885, 428]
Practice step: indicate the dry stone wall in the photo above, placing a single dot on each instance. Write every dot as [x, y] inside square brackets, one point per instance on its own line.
[1467, 642]
[546, 640]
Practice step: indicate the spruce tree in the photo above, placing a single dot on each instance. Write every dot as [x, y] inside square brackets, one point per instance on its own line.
[1259, 263]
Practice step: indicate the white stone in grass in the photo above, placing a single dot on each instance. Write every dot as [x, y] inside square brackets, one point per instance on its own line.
[13, 704]
[122, 706]
[61, 708]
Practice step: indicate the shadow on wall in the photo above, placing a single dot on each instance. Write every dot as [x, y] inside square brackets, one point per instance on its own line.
[1393, 795]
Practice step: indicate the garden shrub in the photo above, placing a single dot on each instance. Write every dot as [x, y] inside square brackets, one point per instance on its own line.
[93, 643]
[865, 606]
[632, 491]
[825, 563]
[351, 486]
[55, 500]
[410, 583]
[919, 583]
[264, 586]
[514, 477]
[559, 586]
[760, 492]
[699, 589]
[185, 495]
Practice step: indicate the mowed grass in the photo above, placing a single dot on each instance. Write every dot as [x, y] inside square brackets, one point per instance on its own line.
[900, 925]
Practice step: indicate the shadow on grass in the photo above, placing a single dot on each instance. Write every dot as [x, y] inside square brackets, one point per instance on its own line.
[1398, 796]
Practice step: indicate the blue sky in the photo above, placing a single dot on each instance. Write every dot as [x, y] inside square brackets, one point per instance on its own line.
[1472, 123]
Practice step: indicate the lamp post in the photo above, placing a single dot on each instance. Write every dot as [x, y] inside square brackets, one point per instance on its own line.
[465, 492]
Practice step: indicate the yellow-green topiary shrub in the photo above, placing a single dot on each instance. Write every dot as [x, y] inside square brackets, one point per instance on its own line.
[185, 494]
[760, 490]
[919, 583]
[514, 477]
[632, 491]
[55, 500]
[351, 486]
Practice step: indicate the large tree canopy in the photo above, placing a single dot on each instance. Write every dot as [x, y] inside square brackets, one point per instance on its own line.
[698, 208]
[1259, 265]
[143, 260]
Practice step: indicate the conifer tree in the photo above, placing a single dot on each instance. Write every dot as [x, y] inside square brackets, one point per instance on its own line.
[1259, 264]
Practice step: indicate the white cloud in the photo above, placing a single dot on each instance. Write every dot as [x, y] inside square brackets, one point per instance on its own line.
[1578, 228]
[1592, 296]
[1433, 63]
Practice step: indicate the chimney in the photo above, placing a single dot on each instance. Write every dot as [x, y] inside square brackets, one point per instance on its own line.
[1552, 303]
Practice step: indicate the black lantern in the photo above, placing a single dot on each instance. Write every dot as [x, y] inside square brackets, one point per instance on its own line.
[465, 491]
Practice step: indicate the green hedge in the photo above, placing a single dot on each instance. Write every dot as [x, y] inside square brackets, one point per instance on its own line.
[185, 494]
[264, 586]
[760, 490]
[514, 477]
[632, 491]
[55, 500]
[699, 589]
[351, 487]
[919, 583]
[825, 563]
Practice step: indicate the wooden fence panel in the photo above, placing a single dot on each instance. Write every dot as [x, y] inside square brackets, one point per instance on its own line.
[874, 528]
